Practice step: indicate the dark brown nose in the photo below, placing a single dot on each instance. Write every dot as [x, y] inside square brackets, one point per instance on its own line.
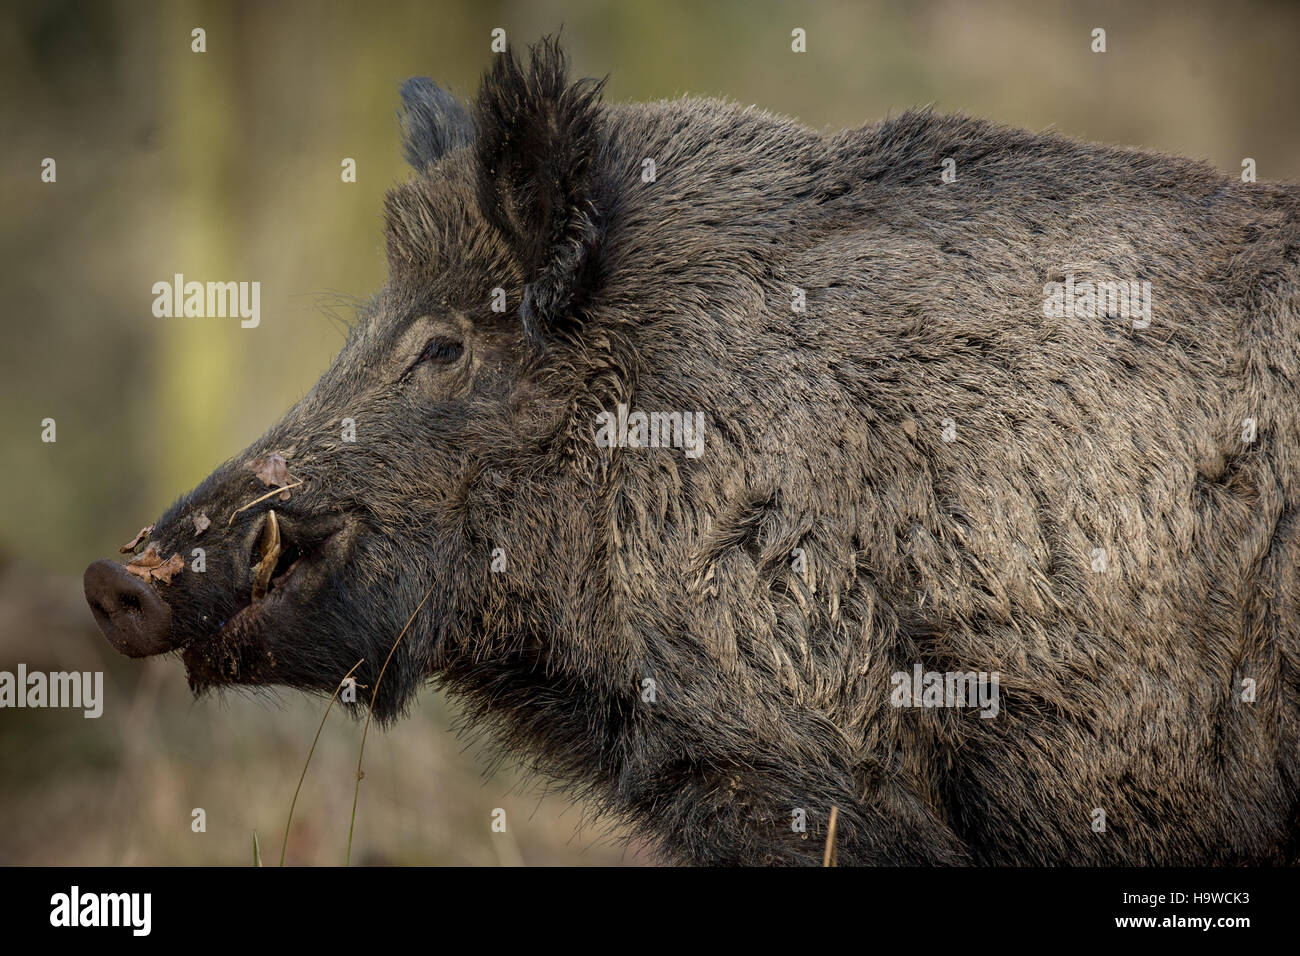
[128, 611]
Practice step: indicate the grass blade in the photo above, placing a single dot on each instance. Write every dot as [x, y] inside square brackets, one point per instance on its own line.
[828, 858]
[285, 844]
[374, 695]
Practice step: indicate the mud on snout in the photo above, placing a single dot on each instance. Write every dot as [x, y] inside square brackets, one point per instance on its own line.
[223, 575]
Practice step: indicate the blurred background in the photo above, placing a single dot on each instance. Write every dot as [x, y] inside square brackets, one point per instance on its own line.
[225, 165]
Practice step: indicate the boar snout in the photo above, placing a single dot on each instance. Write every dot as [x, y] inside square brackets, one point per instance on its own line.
[129, 612]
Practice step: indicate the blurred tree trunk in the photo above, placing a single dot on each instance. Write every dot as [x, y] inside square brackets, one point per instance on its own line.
[195, 373]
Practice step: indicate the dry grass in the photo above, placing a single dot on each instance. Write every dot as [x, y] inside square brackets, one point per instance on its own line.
[121, 789]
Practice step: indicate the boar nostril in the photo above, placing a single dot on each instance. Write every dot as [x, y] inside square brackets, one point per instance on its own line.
[136, 621]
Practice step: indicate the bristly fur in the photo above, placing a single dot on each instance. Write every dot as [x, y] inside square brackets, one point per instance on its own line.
[919, 468]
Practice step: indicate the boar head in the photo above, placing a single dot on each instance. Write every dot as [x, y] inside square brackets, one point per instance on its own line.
[447, 452]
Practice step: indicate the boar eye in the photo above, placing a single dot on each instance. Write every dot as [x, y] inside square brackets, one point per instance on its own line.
[441, 352]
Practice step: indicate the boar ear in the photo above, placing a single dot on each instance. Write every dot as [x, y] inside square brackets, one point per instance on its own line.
[537, 136]
[433, 122]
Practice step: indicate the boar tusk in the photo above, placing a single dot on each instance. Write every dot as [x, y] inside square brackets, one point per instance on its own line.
[269, 548]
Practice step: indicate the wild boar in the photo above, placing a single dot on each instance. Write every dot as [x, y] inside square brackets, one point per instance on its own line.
[933, 471]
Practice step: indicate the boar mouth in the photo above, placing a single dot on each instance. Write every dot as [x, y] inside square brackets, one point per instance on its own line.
[291, 560]
[281, 574]
[293, 557]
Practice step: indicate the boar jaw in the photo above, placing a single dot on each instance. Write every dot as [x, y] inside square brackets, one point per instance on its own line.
[241, 651]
